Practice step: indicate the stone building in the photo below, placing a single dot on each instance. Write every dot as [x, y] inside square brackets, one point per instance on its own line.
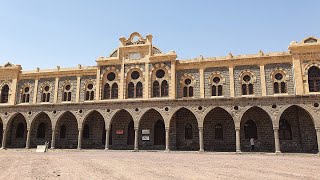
[141, 98]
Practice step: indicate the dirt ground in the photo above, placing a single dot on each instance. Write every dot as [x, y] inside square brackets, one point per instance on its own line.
[100, 164]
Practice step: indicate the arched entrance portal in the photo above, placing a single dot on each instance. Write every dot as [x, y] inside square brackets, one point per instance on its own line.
[41, 130]
[67, 131]
[17, 133]
[297, 131]
[257, 124]
[219, 131]
[184, 131]
[93, 134]
[121, 135]
[152, 131]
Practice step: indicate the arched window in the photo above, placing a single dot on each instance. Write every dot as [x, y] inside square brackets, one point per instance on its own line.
[5, 94]
[41, 131]
[106, 91]
[45, 94]
[218, 132]
[314, 79]
[164, 88]
[188, 88]
[89, 92]
[63, 132]
[156, 89]
[86, 132]
[114, 91]
[67, 93]
[188, 131]
[216, 88]
[285, 132]
[139, 90]
[131, 90]
[25, 96]
[247, 85]
[250, 130]
[279, 85]
[20, 130]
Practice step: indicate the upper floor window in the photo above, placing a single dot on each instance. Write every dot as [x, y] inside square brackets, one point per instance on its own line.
[247, 85]
[216, 88]
[45, 97]
[5, 94]
[188, 88]
[67, 93]
[160, 84]
[89, 92]
[314, 79]
[279, 85]
[135, 87]
[110, 90]
[114, 91]
[25, 96]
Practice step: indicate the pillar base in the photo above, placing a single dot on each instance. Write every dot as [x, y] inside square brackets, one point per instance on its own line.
[78, 148]
[278, 152]
[106, 149]
[2, 148]
[238, 151]
[52, 148]
[201, 151]
[136, 150]
[167, 150]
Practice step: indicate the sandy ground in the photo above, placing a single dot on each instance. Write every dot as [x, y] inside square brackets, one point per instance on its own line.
[100, 164]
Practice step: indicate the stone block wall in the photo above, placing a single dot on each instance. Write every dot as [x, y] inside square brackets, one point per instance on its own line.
[96, 131]
[223, 71]
[196, 88]
[148, 122]
[270, 68]
[228, 143]
[237, 83]
[34, 141]
[71, 140]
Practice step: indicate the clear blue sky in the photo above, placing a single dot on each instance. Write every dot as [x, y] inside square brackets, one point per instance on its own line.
[38, 33]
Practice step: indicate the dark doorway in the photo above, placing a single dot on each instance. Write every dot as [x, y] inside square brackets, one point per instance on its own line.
[130, 138]
[159, 133]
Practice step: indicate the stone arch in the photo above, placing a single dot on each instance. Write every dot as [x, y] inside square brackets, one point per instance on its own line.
[41, 117]
[71, 123]
[121, 130]
[265, 134]
[146, 129]
[96, 130]
[16, 120]
[302, 127]
[211, 133]
[179, 120]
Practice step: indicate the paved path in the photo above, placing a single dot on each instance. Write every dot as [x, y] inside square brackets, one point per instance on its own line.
[100, 164]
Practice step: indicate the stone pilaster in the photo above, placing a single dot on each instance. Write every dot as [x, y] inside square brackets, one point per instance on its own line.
[201, 72]
[172, 88]
[56, 90]
[146, 82]
[299, 88]
[263, 80]
[122, 82]
[231, 77]
[35, 91]
[78, 89]
[13, 95]
[98, 84]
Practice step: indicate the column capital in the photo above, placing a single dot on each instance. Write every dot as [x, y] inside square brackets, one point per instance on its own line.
[237, 128]
[317, 129]
[200, 128]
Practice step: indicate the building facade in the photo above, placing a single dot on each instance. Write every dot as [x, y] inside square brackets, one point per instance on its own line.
[141, 98]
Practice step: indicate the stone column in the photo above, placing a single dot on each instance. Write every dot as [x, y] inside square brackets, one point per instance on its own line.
[28, 139]
[232, 91]
[79, 139]
[298, 81]
[167, 139]
[136, 142]
[107, 140]
[318, 138]
[4, 139]
[201, 139]
[276, 140]
[53, 139]
[238, 143]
